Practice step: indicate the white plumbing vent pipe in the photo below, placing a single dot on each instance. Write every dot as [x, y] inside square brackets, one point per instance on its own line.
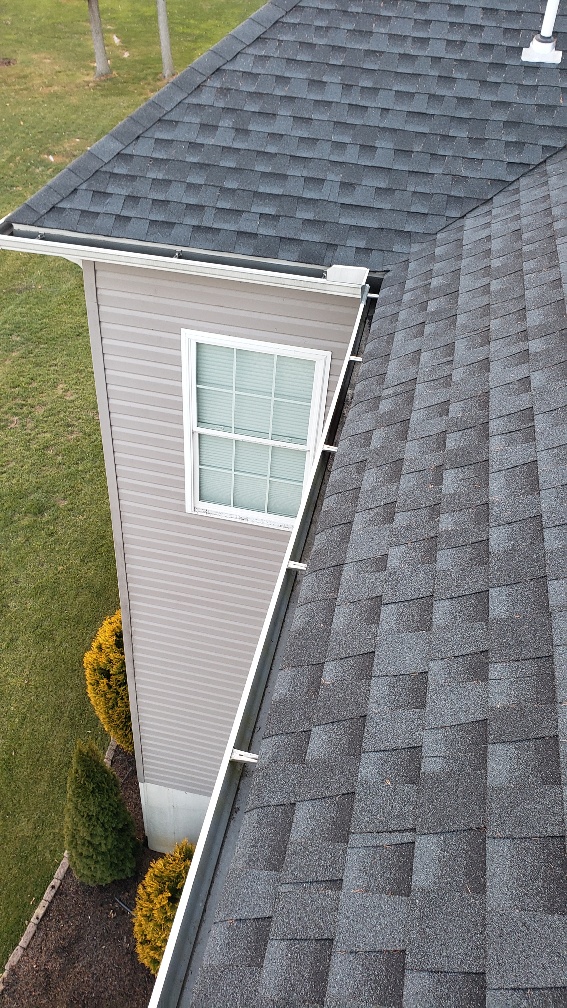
[542, 47]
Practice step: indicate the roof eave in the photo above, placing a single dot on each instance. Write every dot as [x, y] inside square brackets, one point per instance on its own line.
[342, 281]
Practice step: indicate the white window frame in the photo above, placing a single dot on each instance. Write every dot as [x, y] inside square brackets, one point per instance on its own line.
[189, 340]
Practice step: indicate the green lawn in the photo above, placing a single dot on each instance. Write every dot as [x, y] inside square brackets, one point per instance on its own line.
[58, 577]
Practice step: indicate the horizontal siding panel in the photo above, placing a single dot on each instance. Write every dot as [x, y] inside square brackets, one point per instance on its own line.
[166, 467]
[197, 642]
[199, 617]
[162, 460]
[176, 550]
[226, 320]
[235, 623]
[197, 690]
[184, 686]
[163, 389]
[204, 532]
[190, 731]
[132, 452]
[198, 587]
[122, 287]
[217, 710]
[144, 422]
[195, 657]
[191, 764]
[191, 292]
[165, 499]
[177, 778]
[221, 689]
[144, 576]
[179, 567]
[192, 751]
[195, 651]
[147, 403]
[216, 528]
[195, 771]
[199, 579]
[164, 599]
[192, 544]
[138, 436]
[129, 395]
[199, 778]
[165, 371]
[202, 547]
[156, 482]
[142, 344]
[142, 341]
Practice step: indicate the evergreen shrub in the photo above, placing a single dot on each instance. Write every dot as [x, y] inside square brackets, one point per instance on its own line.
[99, 830]
[157, 900]
[105, 673]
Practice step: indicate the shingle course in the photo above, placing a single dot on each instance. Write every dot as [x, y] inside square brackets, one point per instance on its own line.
[420, 116]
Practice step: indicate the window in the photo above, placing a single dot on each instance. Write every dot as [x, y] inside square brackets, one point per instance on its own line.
[253, 413]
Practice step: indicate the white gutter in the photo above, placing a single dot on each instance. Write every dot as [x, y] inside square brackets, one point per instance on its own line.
[232, 745]
[343, 281]
[542, 47]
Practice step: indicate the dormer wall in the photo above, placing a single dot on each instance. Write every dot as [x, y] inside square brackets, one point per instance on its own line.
[194, 588]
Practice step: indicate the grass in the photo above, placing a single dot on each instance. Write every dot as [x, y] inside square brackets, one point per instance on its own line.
[58, 576]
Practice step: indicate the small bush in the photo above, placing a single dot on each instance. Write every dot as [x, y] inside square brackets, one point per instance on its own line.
[99, 830]
[105, 672]
[157, 900]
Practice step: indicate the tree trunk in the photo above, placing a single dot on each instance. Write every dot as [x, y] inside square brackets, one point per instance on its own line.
[166, 57]
[101, 59]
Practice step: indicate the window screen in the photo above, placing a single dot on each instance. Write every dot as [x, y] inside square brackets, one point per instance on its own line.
[253, 412]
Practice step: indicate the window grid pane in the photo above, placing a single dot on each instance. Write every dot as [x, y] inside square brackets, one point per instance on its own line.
[215, 366]
[266, 476]
[277, 413]
[253, 399]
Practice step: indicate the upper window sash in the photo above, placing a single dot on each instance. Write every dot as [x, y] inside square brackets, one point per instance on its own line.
[321, 360]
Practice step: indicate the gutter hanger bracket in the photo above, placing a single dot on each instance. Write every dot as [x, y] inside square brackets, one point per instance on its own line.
[329, 448]
[239, 756]
[295, 565]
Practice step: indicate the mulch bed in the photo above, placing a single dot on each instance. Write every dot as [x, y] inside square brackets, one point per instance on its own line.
[83, 955]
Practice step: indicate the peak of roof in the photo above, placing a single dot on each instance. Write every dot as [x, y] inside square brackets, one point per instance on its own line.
[322, 131]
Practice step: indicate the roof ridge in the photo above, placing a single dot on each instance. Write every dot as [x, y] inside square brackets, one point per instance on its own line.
[134, 125]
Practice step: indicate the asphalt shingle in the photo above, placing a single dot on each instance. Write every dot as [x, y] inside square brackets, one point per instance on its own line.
[417, 746]
[368, 126]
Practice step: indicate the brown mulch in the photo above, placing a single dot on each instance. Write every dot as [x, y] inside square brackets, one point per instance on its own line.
[83, 954]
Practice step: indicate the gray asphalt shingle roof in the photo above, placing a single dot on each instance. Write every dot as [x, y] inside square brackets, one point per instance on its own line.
[403, 840]
[323, 131]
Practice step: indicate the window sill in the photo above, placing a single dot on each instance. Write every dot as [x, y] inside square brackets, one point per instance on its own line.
[246, 517]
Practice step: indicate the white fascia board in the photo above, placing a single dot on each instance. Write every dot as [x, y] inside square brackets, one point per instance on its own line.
[343, 281]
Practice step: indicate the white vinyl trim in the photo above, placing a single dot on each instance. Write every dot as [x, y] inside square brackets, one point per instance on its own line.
[344, 281]
[191, 429]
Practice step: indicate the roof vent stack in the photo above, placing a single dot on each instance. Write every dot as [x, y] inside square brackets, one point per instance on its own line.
[542, 47]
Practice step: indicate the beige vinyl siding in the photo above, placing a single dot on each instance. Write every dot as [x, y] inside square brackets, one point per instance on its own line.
[197, 588]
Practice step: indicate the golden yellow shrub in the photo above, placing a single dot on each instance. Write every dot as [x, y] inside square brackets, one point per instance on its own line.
[105, 673]
[157, 900]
